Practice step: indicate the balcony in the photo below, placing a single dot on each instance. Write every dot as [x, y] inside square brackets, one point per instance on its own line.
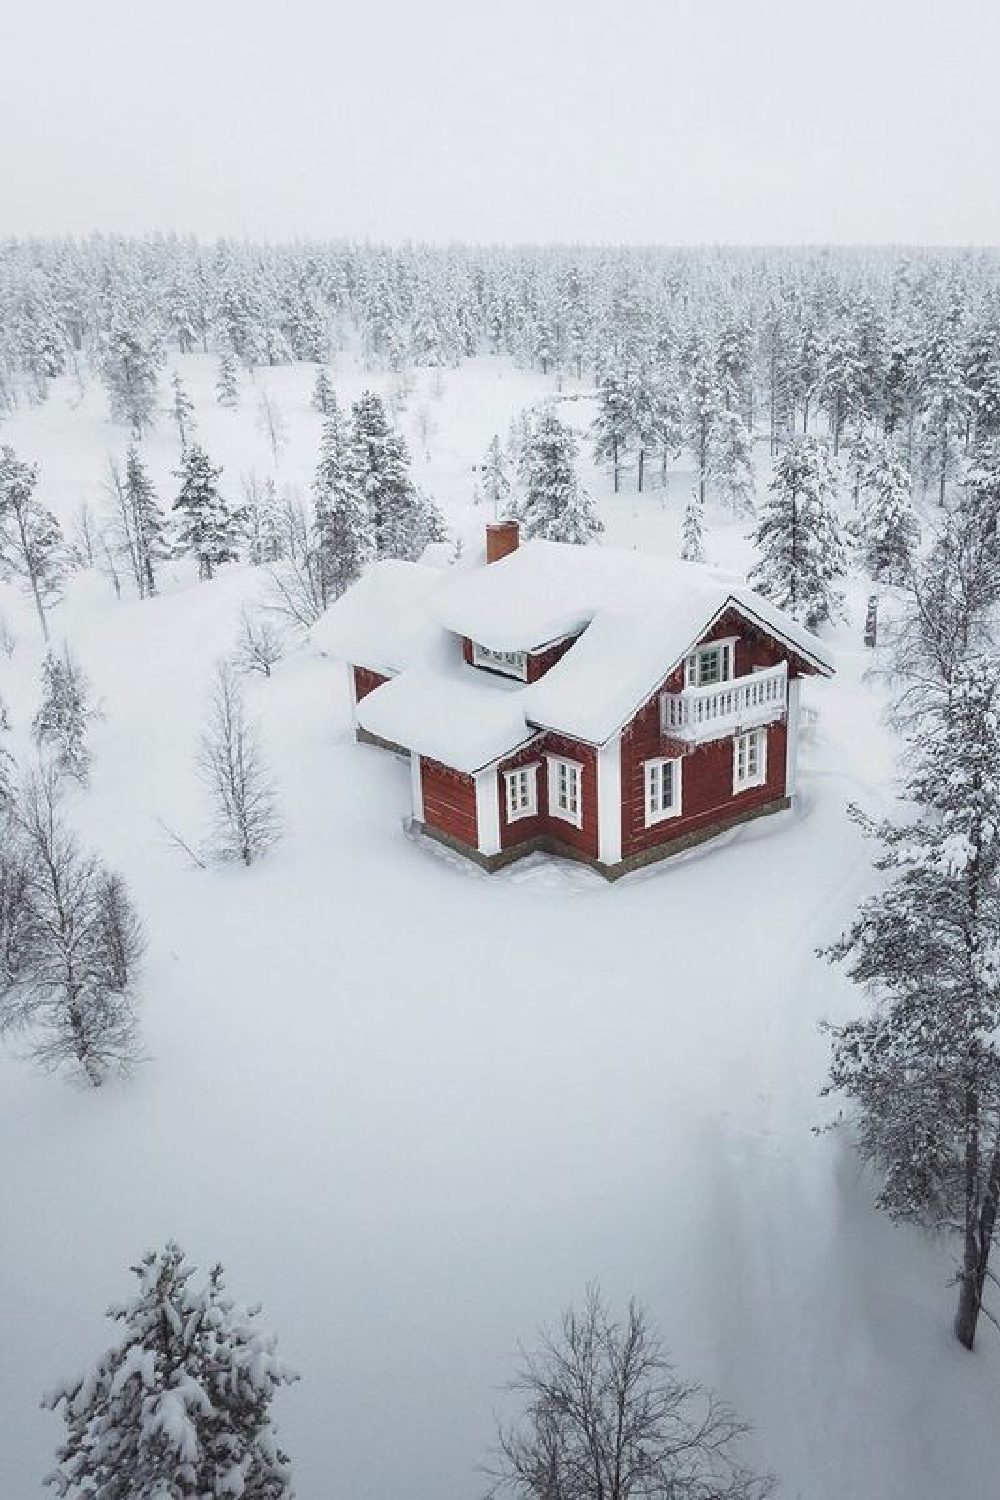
[722, 708]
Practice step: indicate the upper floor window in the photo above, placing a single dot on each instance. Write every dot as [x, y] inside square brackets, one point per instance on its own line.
[511, 663]
[749, 759]
[565, 790]
[522, 792]
[663, 790]
[712, 663]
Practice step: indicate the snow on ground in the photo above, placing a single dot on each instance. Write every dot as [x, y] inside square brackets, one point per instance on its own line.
[414, 1109]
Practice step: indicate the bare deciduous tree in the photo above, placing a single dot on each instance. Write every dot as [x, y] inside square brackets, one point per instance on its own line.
[261, 644]
[271, 423]
[298, 590]
[238, 782]
[606, 1418]
[72, 942]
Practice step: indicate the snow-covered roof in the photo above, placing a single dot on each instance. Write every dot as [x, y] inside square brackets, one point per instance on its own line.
[546, 590]
[383, 621]
[637, 617]
[458, 716]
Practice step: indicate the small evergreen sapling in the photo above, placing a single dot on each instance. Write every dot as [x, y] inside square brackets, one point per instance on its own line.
[180, 1405]
[322, 396]
[227, 386]
[693, 538]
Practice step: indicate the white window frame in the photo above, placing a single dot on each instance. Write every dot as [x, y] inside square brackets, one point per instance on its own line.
[510, 663]
[727, 662]
[573, 769]
[514, 780]
[759, 777]
[653, 789]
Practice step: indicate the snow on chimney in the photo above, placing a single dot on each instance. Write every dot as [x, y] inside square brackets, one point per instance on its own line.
[502, 538]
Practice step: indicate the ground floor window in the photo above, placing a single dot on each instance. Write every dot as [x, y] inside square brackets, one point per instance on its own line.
[565, 800]
[749, 759]
[522, 792]
[663, 790]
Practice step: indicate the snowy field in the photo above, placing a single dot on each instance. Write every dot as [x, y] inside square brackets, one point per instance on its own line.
[414, 1109]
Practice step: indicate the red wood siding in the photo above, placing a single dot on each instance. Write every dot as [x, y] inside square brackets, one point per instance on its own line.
[523, 829]
[706, 784]
[540, 662]
[583, 838]
[449, 802]
[366, 681]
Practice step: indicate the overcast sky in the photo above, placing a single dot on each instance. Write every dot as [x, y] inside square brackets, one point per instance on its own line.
[677, 121]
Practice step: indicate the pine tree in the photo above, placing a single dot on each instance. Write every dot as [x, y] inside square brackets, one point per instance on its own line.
[703, 408]
[886, 527]
[693, 538]
[496, 478]
[731, 463]
[130, 361]
[60, 725]
[31, 541]
[342, 526]
[227, 387]
[181, 409]
[399, 517]
[323, 396]
[206, 527]
[798, 538]
[612, 422]
[924, 1068]
[554, 506]
[180, 1406]
[139, 523]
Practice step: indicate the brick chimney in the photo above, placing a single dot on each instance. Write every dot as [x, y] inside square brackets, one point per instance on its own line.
[502, 538]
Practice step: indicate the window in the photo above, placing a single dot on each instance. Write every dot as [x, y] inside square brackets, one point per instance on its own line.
[749, 759]
[511, 663]
[522, 792]
[710, 664]
[565, 799]
[663, 790]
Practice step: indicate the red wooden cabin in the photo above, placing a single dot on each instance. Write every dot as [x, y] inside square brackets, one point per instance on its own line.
[608, 706]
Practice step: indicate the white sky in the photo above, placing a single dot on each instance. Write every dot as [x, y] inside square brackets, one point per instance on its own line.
[599, 120]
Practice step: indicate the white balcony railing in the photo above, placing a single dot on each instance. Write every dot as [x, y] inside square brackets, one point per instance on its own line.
[721, 708]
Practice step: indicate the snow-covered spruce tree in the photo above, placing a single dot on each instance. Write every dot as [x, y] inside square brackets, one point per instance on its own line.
[703, 407]
[692, 534]
[886, 527]
[129, 365]
[798, 538]
[612, 423]
[31, 541]
[323, 396]
[180, 1406]
[343, 530]
[205, 525]
[60, 725]
[555, 506]
[399, 518]
[730, 462]
[239, 785]
[496, 476]
[78, 944]
[923, 1069]
[181, 409]
[227, 386]
[605, 1414]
